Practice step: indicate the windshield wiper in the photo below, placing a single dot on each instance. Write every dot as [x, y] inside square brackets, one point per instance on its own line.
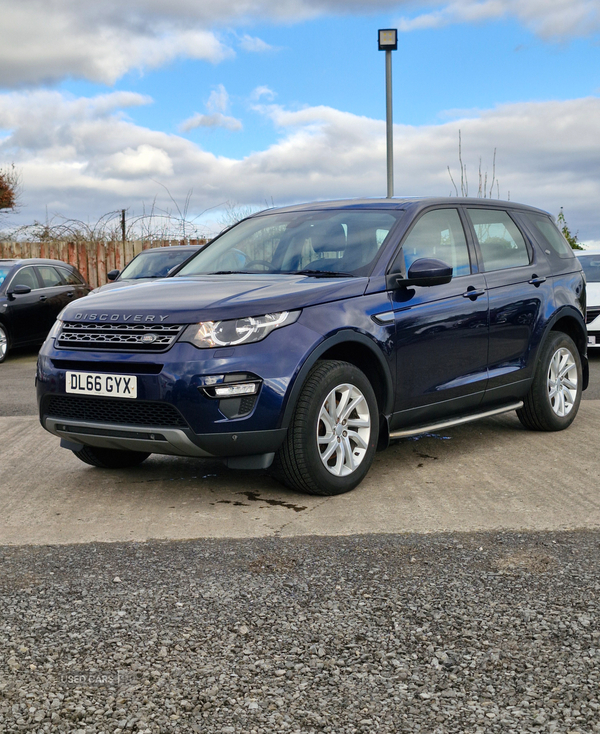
[322, 274]
[226, 272]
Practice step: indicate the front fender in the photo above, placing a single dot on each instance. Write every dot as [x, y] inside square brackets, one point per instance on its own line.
[346, 336]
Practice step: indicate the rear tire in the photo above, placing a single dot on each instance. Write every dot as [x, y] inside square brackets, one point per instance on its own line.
[4, 342]
[555, 393]
[110, 458]
[332, 438]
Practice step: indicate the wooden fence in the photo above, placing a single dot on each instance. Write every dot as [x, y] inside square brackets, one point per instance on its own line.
[92, 259]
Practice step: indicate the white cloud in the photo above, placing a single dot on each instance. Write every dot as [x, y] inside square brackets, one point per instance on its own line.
[46, 41]
[254, 45]
[217, 105]
[260, 92]
[217, 119]
[83, 157]
[135, 163]
[550, 19]
[218, 100]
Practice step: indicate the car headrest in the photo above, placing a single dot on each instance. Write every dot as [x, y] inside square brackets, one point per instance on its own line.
[327, 237]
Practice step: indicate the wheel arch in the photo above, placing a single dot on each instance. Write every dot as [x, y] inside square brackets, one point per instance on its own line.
[570, 322]
[357, 349]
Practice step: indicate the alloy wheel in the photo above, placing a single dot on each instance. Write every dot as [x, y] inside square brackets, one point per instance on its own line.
[343, 430]
[562, 382]
[3, 343]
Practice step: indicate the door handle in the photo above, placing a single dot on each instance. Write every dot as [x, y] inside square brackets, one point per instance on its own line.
[537, 281]
[70, 294]
[43, 298]
[473, 293]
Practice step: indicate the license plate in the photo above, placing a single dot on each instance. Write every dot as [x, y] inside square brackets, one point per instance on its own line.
[92, 383]
[591, 340]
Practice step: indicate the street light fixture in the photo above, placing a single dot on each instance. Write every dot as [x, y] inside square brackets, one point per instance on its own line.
[388, 42]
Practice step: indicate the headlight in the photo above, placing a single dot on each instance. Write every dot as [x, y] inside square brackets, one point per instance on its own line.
[210, 334]
[55, 330]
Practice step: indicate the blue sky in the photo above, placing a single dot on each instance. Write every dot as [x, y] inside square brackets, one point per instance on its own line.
[290, 94]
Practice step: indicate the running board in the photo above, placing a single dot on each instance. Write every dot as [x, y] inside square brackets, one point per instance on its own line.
[406, 433]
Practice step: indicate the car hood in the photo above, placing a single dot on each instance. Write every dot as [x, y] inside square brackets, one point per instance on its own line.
[119, 284]
[211, 298]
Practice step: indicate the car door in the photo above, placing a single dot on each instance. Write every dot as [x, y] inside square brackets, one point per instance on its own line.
[54, 293]
[519, 283]
[76, 286]
[25, 313]
[441, 331]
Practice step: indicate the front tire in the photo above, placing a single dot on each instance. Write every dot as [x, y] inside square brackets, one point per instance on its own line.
[555, 393]
[4, 342]
[332, 438]
[110, 458]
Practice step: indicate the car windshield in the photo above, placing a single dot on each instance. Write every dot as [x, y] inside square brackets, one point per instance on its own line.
[591, 267]
[4, 271]
[332, 243]
[149, 264]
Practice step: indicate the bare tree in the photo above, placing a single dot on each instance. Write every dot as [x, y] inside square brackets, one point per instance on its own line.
[483, 191]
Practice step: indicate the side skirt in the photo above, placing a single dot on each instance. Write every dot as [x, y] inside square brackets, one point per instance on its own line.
[407, 432]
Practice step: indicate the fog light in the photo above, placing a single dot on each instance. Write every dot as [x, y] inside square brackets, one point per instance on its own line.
[234, 391]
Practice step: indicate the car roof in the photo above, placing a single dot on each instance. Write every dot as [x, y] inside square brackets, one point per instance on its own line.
[35, 261]
[418, 202]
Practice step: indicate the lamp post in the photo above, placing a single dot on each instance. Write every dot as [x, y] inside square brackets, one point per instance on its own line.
[388, 42]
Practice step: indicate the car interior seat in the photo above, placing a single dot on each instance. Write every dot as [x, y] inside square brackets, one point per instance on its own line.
[325, 239]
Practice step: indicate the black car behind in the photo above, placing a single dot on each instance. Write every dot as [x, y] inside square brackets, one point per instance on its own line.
[32, 294]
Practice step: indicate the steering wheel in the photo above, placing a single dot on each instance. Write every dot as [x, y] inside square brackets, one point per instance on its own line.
[264, 263]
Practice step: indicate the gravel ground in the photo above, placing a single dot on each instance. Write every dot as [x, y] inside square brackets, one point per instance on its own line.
[494, 632]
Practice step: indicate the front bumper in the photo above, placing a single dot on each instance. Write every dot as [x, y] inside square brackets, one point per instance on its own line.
[197, 425]
[170, 441]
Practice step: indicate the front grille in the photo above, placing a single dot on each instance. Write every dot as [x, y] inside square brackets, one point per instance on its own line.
[113, 410]
[592, 313]
[129, 337]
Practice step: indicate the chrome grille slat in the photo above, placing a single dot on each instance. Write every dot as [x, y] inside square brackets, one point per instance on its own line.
[86, 335]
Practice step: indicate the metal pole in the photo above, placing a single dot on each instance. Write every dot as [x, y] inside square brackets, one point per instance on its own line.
[123, 230]
[389, 124]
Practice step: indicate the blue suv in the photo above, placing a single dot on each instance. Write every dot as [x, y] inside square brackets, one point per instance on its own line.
[303, 339]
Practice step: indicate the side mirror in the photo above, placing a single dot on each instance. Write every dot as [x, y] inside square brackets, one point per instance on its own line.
[18, 290]
[425, 271]
[113, 274]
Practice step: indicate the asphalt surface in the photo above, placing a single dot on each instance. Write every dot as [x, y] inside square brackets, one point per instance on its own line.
[414, 633]
[487, 475]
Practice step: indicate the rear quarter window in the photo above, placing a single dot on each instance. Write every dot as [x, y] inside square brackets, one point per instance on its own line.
[549, 234]
[70, 277]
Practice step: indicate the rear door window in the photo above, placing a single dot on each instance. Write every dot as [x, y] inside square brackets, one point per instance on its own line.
[50, 276]
[501, 243]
